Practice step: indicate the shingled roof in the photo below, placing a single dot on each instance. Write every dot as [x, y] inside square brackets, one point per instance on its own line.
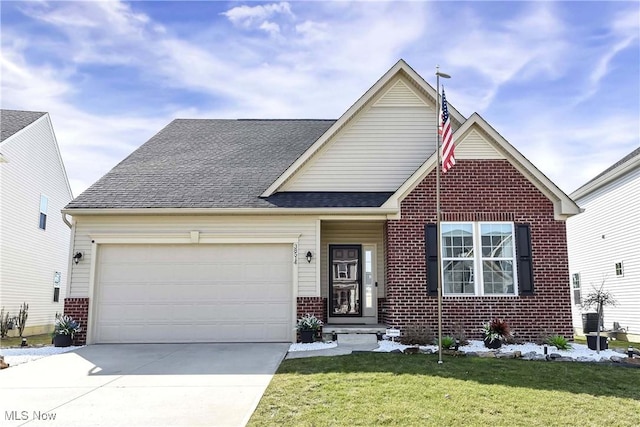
[12, 121]
[216, 164]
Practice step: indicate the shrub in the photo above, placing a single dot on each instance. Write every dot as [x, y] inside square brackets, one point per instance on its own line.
[23, 315]
[4, 323]
[417, 334]
[460, 334]
[309, 322]
[559, 342]
[65, 325]
[448, 342]
[497, 329]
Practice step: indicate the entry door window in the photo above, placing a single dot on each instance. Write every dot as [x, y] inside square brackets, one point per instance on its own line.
[345, 280]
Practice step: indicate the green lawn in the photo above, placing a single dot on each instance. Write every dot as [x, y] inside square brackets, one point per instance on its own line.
[413, 390]
[42, 339]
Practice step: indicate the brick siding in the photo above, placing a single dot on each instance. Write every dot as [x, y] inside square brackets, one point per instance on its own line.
[78, 308]
[312, 305]
[479, 190]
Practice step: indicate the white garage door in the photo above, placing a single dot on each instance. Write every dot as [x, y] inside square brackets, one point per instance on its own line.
[193, 293]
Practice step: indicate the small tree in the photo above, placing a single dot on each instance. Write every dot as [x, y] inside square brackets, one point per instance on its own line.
[23, 314]
[4, 323]
[600, 299]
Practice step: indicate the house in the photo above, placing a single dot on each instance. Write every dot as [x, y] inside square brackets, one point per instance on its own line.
[34, 239]
[602, 245]
[228, 230]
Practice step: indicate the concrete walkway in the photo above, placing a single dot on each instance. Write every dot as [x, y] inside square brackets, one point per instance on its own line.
[140, 385]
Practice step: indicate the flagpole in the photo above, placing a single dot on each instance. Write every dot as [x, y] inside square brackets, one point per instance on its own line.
[438, 167]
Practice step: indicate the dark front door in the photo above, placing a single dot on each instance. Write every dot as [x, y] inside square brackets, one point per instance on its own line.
[345, 283]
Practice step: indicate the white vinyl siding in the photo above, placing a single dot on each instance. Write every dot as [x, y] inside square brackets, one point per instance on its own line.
[378, 150]
[474, 146]
[356, 232]
[607, 233]
[183, 225]
[29, 256]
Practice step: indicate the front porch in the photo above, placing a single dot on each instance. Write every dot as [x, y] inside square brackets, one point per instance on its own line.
[332, 331]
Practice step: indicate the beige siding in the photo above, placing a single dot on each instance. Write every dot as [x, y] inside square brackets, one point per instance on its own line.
[400, 95]
[29, 256]
[213, 225]
[613, 212]
[354, 232]
[474, 146]
[378, 150]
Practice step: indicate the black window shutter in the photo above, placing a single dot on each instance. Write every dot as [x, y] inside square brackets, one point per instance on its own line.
[525, 262]
[431, 252]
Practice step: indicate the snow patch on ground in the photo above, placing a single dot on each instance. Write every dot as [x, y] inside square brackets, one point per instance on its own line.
[17, 356]
[313, 346]
[578, 352]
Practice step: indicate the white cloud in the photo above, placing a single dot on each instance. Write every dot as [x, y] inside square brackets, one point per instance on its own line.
[530, 45]
[270, 27]
[255, 16]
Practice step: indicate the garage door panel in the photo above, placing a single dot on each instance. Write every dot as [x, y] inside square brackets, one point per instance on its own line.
[191, 293]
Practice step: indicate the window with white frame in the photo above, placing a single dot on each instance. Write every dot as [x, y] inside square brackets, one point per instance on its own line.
[44, 202]
[575, 282]
[619, 269]
[478, 258]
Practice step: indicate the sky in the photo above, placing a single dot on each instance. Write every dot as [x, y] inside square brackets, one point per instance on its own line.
[559, 80]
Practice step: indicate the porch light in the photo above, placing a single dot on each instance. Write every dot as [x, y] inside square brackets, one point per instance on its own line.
[77, 257]
[309, 256]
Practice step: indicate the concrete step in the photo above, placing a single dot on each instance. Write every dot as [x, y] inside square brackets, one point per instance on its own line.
[357, 339]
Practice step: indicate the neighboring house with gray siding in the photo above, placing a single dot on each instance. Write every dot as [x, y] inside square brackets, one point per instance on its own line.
[603, 243]
[34, 239]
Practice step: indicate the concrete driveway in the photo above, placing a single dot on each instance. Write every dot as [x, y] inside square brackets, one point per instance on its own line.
[140, 385]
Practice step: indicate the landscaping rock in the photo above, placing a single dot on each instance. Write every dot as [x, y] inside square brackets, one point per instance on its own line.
[530, 355]
[472, 354]
[3, 364]
[616, 359]
[554, 356]
[487, 354]
[427, 351]
[631, 361]
[517, 354]
[505, 356]
[411, 350]
[397, 350]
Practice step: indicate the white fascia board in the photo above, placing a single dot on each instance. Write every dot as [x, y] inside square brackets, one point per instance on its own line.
[564, 206]
[57, 148]
[605, 179]
[400, 66]
[231, 211]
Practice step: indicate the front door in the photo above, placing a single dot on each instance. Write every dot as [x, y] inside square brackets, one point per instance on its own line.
[345, 281]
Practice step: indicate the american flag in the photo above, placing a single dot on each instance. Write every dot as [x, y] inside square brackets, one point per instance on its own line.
[448, 160]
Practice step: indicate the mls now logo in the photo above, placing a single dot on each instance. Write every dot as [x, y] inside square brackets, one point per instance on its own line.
[24, 416]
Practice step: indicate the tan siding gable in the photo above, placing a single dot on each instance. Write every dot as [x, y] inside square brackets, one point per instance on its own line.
[474, 146]
[381, 147]
[400, 95]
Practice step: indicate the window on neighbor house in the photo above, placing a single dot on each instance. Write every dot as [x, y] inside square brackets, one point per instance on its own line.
[44, 202]
[478, 258]
[619, 269]
[575, 282]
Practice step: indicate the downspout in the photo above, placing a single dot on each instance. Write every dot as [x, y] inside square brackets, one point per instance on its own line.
[65, 220]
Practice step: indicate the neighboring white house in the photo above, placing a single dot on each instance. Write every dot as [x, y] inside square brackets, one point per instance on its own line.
[34, 239]
[603, 243]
